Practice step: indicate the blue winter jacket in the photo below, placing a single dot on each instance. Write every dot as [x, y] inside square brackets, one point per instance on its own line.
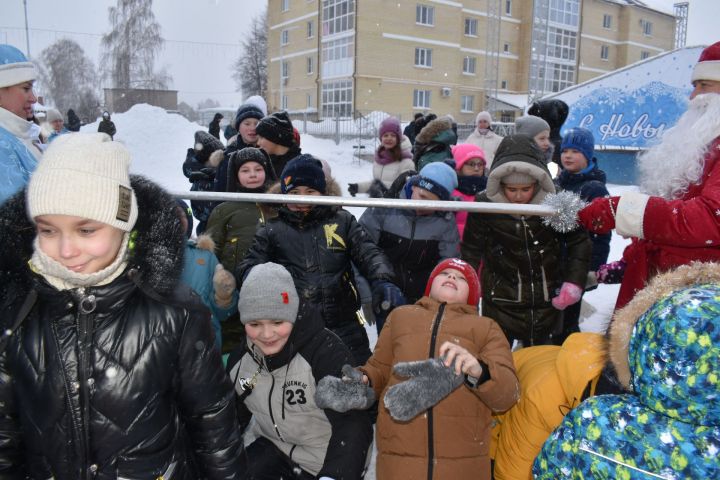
[16, 164]
[589, 184]
[197, 273]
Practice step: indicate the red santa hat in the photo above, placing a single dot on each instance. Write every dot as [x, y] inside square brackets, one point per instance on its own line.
[464, 268]
[708, 66]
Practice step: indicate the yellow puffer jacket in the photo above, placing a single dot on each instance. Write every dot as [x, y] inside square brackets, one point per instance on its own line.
[553, 381]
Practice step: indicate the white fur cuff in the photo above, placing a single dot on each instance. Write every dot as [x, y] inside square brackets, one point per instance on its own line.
[630, 214]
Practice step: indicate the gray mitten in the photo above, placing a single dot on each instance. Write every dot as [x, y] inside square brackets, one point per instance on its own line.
[346, 393]
[429, 382]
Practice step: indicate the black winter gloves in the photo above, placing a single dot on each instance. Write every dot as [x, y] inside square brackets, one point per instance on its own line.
[385, 297]
[353, 189]
[429, 382]
[346, 393]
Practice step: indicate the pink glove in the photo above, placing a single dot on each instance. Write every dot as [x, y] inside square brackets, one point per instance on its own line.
[569, 295]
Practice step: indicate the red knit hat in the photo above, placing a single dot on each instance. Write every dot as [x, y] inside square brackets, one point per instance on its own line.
[464, 268]
[708, 66]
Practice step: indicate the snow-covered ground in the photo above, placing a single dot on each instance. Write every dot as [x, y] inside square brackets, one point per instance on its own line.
[159, 141]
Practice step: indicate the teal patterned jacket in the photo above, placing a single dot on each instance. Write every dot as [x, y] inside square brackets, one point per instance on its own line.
[669, 426]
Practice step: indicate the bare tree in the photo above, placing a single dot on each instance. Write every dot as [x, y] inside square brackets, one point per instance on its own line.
[69, 77]
[250, 70]
[132, 46]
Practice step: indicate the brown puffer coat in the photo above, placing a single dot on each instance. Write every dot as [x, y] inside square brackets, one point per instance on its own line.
[450, 440]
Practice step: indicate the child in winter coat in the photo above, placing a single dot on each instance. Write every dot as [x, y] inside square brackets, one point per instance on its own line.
[416, 240]
[200, 167]
[524, 282]
[232, 225]
[433, 142]
[317, 245]
[539, 130]
[275, 373]
[392, 158]
[664, 346]
[276, 137]
[581, 175]
[470, 168]
[246, 119]
[205, 274]
[436, 424]
[107, 126]
[109, 365]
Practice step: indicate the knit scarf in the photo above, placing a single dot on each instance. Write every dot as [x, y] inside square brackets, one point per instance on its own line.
[62, 278]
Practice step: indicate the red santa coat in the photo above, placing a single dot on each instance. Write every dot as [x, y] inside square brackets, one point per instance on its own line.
[669, 233]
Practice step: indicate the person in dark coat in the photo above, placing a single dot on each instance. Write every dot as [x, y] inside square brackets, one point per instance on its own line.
[287, 345]
[413, 128]
[434, 142]
[246, 119]
[524, 282]
[214, 126]
[110, 369]
[277, 138]
[318, 244]
[554, 112]
[107, 126]
[73, 121]
[200, 168]
[580, 174]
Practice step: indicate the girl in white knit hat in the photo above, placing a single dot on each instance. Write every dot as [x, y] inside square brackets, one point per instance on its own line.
[109, 370]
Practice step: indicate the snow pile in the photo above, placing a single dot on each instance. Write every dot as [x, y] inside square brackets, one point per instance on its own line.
[158, 142]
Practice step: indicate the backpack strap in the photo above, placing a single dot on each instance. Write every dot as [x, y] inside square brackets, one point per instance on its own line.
[27, 305]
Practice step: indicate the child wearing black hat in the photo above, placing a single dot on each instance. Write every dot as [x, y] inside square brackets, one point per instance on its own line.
[317, 244]
[275, 372]
[530, 272]
[200, 168]
[277, 138]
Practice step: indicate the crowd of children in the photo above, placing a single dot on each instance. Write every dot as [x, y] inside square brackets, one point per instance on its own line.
[115, 318]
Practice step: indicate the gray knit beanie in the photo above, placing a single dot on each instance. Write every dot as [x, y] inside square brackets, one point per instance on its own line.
[518, 178]
[531, 125]
[268, 293]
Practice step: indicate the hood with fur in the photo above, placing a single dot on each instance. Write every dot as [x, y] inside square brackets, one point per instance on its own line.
[156, 255]
[433, 129]
[518, 154]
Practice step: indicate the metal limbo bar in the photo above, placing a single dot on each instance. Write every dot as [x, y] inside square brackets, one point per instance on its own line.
[485, 207]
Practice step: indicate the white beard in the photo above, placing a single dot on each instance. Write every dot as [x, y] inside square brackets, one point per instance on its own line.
[668, 169]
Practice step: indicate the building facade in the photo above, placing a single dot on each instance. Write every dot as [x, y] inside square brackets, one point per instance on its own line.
[340, 57]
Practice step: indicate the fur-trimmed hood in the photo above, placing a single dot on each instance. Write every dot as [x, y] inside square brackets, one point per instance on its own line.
[623, 324]
[157, 246]
[433, 129]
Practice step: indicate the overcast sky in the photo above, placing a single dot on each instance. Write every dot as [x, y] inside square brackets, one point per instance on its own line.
[203, 36]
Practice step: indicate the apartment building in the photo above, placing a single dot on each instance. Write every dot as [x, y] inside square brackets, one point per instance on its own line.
[339, 57]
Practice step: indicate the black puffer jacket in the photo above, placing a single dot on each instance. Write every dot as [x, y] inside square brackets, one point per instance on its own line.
[317, 250]
[121, 380]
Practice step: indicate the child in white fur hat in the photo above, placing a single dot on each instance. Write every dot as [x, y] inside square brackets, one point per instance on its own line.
[103, 354]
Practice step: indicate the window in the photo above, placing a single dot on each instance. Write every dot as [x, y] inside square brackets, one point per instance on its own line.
[337, 98]
[566, 12]
[644, 55]
[425, 15]
[284, 37]
[561, 44]
[607, 21]
[310, 65]
[423, 57]
[421, 98]
[508, 8]
[284, 5]
[646, 27]
[469, 65]
[337, 57]
[337, 16]
[506, 48]
[310, 29]
[308, 101]
[503, 84]
[604, 52]
[466, 103]
[284, 102]
[471, 25]
[285, 69]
